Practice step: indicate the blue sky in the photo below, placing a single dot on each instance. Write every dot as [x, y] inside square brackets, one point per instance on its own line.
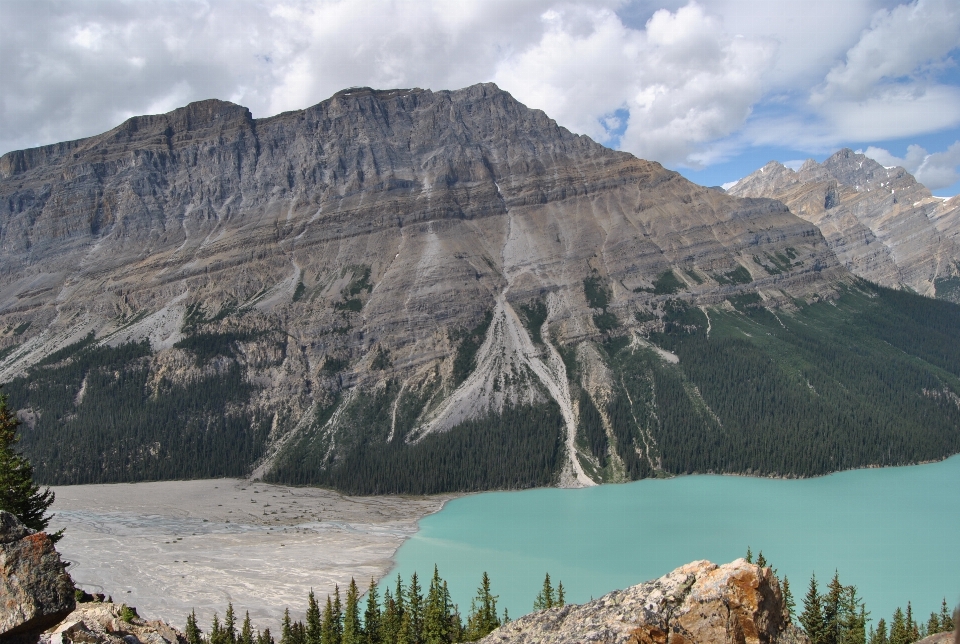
[714, 89]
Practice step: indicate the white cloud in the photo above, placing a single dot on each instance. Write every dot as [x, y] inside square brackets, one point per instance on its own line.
[935, 171]
[691, 84]
[684, 81]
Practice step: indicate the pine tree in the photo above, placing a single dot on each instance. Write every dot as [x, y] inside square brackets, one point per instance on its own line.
[230, 625]
[337, 617]
[879, 636]
[192, 631]
[414, 606]
[761, 560]
[246, 630]
[483, 612]
[329, 630]
[389, 619]
[913, 633]
[351, 617]
[265, 637]
[217, 636]
[946, 619]
[314, 620]
[749, 556]
[832, 611]
[371, 616]
[899, 633]
[455, 628]
[405, 632]
[286, 629]
[545, 598]
[933, 624]
[789, 604]
[435, 613]
[19, 495]
[811, 619]
[561, 595]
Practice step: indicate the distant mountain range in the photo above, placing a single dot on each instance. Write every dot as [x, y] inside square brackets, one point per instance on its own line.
[416, 291]
[882, 224]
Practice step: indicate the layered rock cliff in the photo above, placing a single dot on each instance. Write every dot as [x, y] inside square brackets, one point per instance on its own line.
[406, 291]
[882, 224]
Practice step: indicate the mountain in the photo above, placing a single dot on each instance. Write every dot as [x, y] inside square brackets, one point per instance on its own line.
[882, 224]
[417, 291]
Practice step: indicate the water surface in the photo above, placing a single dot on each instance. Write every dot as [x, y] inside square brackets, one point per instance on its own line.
[892, 532]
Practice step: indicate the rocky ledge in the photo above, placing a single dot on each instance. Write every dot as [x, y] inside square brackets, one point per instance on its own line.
[737, 603]
[107, 623]
[35, 590]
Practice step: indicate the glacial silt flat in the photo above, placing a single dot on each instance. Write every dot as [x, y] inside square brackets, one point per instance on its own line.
[169, 547]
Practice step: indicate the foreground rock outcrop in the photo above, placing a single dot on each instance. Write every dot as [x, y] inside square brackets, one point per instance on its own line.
[104, 623]
[35, 589]
[700, 602]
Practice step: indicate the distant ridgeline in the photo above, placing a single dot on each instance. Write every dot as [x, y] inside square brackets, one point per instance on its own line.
[871, 378]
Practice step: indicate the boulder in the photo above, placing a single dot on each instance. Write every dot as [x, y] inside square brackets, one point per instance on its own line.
[950, 637]
[35, 590]
[700, 602]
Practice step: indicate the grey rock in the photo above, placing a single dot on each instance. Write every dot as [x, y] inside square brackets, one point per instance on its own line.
[882, 224]
[35, 589]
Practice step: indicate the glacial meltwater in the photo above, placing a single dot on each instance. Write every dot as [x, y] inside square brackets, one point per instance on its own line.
[894, 533]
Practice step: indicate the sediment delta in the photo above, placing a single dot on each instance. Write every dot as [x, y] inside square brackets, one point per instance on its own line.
[169, 547]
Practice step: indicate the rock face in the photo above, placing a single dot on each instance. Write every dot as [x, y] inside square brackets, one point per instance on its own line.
[882, 224]
[696, 603]
[35, 589]
[103, 623]
[321, 257]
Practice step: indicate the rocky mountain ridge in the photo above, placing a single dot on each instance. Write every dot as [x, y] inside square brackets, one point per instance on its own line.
[883, 225]
[351, 293]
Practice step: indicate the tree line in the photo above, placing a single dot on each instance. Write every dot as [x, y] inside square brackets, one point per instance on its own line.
[404, 616]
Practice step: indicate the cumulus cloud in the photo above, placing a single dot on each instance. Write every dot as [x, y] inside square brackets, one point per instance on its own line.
[935, 171]
[684, 82]
[682, 79]
[885, 87]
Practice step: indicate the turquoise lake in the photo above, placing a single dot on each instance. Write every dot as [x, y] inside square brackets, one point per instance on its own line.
[892, 532]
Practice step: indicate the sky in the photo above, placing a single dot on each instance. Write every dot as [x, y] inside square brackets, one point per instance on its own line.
[714, 88]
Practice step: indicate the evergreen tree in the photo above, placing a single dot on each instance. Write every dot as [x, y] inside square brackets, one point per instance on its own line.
[455, 628]
[330, 626]
[371, 616]
[299, 633]
[405, 632]
[761, 560]
[946, 619]
[899, 633]
[853, 618]
[192, 631]
[879, 636]
[483, 612]
[286, 629]
[217, 636]
[811, 619]
[314, 620]
[788, 603]
[749, 556]
[832, 611]
[19, 495]
[545, 599]
[230, 625]
[506, 617]
[389, 619]
[415, 608]
[913, 633]
[561, 595]
[351, 617]
[246, 630]
[933, 624]
[435, 612]
[265, 637]
[336, 618]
